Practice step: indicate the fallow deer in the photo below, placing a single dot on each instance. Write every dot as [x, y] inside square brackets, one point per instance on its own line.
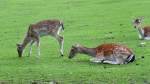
[106, 53]
[42, 28]
[144, 32]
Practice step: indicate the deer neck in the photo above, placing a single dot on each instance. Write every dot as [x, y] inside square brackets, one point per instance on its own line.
[87, 51]
[25, 41]
[141, 32]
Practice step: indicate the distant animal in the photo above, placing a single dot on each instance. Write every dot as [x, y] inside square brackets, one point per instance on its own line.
[144, 32]
[42, 28]
[106, 53]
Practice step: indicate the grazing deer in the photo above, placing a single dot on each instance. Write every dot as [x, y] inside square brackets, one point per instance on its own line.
[144, 32]
[42, 28]
[105, 53]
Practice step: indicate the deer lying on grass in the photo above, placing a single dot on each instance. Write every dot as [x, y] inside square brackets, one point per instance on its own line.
[105, 53]
[144, 32]
[42, 28]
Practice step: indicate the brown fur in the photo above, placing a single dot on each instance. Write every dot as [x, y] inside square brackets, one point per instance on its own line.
[146, 31]
[106, 53]
[109, 49]
[42, 28]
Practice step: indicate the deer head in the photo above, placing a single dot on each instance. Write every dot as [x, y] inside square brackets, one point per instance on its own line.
[20, 49]
[137, 22]
[74, 49]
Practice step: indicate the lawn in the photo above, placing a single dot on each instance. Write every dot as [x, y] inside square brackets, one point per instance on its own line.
[88, 22]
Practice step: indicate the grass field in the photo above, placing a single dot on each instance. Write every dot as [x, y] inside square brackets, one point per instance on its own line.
[88, 22]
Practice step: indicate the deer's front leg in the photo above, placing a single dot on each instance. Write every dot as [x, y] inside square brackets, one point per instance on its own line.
[111, 62]
[97, 59]
[38, 49]
[61, 44]
[30, 50]
[38, 46]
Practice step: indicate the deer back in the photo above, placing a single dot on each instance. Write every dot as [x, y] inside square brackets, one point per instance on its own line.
[45, 27]
[111, 49]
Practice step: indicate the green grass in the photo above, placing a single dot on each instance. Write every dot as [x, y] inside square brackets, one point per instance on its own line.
[87, 22]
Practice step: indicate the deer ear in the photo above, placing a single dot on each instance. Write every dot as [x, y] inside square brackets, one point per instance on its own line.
[135, 20]
[140, 18]
[77, 45]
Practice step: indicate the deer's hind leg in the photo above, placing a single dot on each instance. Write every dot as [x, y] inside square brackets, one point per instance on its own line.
[118, 60]
[114, 59]
[110, 62]
[96, 60]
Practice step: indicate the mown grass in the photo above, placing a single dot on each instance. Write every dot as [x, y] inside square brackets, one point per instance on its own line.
[88, 22]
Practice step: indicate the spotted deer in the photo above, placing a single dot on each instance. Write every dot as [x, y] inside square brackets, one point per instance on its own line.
[39, 29]
[106, 53]
[144, 32]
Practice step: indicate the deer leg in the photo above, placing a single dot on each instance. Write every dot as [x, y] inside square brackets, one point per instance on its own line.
[118, 60]
[30, 50]
[110, 62]
[147, 38]
[97, 60]
[102, 60]
[61, 44]
[38, 46]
